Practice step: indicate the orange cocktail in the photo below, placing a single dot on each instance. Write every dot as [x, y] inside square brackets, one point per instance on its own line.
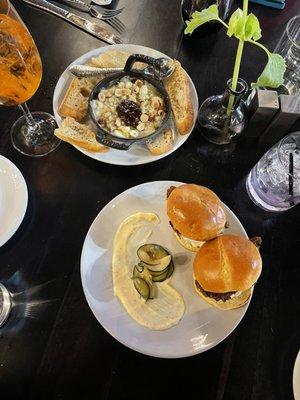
[20, 63]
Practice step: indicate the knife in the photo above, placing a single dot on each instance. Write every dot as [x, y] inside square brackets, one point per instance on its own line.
[83, 23]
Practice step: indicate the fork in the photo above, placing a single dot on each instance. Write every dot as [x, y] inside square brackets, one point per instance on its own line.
[105, 15]
[109, 16]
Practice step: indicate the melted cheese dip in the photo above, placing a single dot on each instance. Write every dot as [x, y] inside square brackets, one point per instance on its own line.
[167, 308]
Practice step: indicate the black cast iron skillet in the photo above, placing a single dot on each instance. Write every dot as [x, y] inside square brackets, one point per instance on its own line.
[106, 138]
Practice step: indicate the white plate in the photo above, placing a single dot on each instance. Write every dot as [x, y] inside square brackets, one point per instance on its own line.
[137, 154]
[296, 378]
[13, 199]
[202, 326]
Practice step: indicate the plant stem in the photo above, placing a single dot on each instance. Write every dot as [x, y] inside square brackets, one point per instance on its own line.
[235, 77]
[245, 8]
[223, 23]
[237, 64]
[260, 45]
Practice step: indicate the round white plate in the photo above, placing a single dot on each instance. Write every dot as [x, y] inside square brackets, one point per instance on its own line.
[202, 326]
[296, 378]
[137, 154]
[13, 199]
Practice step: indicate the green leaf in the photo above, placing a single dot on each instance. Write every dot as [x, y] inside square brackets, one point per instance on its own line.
[244, 28]
[199, 18]
[252, 28]
[272, 75]
[236, 24]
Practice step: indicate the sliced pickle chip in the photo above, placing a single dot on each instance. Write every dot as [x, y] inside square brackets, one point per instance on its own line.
[142, 287]
[139, 267]
[158, 273]
[140, 271]
[162, 275]
[162, 264]
[162, 268]
[171, 270]
[152, 254]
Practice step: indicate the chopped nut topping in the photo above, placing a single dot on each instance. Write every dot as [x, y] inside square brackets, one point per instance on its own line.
[130, 108]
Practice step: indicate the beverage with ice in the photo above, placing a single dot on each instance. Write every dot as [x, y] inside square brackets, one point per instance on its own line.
[274, 182]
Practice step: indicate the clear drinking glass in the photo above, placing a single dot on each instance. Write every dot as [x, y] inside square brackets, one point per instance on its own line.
[274, 182]
[5, 304]
[289, 48]
[20, 77]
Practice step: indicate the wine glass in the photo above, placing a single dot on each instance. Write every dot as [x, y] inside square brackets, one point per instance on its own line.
[20, 76]
[5, 304]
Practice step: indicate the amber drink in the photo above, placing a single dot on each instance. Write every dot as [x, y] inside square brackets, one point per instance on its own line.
[20, 76]
[20, 63]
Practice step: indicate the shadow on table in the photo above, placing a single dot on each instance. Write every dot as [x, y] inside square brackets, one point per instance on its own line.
[28, 303]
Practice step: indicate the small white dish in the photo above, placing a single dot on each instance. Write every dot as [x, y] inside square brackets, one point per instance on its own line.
[137, 154]
[13, 199]
[296, 378]
[202, 326]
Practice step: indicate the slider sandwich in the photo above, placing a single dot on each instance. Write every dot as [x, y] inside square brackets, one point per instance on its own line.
[225, 270]
[196, 215]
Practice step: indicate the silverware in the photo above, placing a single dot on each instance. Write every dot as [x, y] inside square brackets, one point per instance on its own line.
[102, 2]
[82, 6]
[108, 16]
[90, 27]
[165, 70]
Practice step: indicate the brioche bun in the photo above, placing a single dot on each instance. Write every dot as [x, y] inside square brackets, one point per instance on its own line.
[228, 263]
[195, 212]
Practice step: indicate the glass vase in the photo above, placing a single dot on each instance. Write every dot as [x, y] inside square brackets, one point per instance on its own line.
[222, 118]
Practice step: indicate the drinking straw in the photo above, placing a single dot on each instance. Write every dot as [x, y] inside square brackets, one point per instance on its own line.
[291, 178]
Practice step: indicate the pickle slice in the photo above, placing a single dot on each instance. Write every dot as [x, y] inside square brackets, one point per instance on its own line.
[162, 264]
[152, 254]
[162, 275]
[139, 271]
[142, 287]
[171, 270]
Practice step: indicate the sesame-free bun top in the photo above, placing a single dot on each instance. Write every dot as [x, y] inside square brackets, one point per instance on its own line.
[227, 263]
[196, 212]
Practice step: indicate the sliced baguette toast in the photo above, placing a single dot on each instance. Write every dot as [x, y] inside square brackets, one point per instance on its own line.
[178, 88]
[162, 143]
[75, 102]
[80, 135]
[112, 59]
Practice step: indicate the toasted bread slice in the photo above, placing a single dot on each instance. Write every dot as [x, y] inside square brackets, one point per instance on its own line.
[113, 59]
[110, 59]
[178, 88]
[162, 143]
[80, 135]
[75, 102]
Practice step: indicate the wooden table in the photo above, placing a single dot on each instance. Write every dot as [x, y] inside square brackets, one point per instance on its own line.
[52, 347]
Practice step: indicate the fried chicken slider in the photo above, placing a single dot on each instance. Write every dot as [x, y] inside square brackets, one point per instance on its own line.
[195, 213]
[225, 270]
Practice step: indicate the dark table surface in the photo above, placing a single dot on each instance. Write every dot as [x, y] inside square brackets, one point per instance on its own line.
[52, 347]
